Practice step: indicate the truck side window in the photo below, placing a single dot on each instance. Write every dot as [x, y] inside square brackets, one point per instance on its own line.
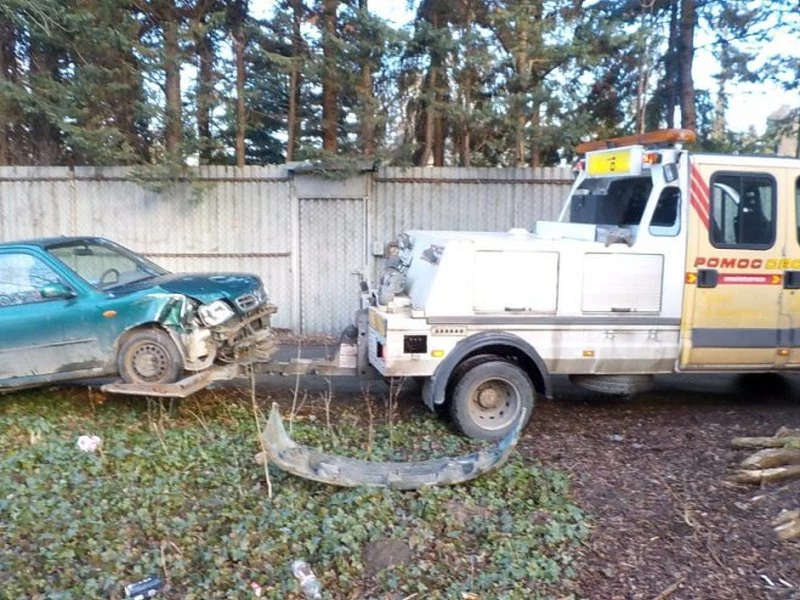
[665, 219]
[21, 278]
[742, 211]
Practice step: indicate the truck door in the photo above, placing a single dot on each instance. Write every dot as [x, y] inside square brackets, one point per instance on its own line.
[789, 333]
[733, 290]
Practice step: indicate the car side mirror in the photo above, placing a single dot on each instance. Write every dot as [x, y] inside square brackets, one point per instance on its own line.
[56, 290]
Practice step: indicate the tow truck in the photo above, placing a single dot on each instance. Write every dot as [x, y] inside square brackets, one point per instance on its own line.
[661, 261]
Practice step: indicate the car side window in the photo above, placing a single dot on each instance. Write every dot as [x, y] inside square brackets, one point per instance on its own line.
[22, 276]
[742, 211]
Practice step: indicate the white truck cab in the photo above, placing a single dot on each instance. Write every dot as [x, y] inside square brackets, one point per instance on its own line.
[661, 261]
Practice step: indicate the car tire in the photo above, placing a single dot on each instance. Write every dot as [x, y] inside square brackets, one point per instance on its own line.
[489, 398]
[149, 356]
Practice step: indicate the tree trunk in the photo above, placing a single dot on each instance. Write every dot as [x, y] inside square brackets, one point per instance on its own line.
[7, 71]
[523, 89]
[292, 120]
[429, 99]
[172, 85]
[424, 156]
[4, 144]
[787, 525]
[797, 147]
[761, 476]
[643, 79]
[205, 90]
[536, 126]
[777, 441]
[768, 458]
[45, 137]
[367, 94]
[465, 143]
[330, 79]
[439, 136]
[240, 11]
[686, 56]
[671, 65]
[295, 79]
[367, 118]
[432, 129]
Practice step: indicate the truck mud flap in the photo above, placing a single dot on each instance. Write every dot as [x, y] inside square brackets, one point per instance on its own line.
[308, 463]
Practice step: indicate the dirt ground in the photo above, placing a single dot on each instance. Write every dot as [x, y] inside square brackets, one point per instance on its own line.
[651, 471]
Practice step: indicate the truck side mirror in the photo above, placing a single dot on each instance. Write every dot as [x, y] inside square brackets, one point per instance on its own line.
[56, 290]
[670, 172]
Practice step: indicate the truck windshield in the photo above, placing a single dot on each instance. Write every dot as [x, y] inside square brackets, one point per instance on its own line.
[616, 201]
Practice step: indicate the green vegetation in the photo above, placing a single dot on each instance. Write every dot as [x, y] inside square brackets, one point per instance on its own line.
[175, 491]
[471, 83]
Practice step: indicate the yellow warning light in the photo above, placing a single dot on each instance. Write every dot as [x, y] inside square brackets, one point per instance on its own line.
[437, 353]
[662, 136]
[651, 158]
[783, 352]
[588, 354]
[110, 314]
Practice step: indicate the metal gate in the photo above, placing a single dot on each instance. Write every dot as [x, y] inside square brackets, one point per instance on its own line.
[332, 251]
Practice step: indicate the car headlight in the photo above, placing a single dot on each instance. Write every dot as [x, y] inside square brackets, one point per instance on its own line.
[215, 313]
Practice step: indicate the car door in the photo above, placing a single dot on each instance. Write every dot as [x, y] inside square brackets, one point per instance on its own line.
[40, 336]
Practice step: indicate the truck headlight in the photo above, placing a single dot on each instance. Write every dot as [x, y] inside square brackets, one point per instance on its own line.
[215, 313]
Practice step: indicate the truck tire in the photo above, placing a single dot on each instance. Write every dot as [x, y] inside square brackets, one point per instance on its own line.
[488, 399]
[149, 356]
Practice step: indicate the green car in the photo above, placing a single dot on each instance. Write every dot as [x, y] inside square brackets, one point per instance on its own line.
[80, 307]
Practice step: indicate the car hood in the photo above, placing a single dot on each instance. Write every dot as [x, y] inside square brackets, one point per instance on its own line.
[203, 287]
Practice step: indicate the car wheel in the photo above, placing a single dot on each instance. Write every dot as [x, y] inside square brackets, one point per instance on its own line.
[149, 356]
[489, 398]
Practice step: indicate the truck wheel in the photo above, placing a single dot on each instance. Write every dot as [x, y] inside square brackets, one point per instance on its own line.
[149, 356]
[488, 399]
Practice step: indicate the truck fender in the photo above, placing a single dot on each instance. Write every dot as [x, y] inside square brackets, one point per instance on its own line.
[500, 343]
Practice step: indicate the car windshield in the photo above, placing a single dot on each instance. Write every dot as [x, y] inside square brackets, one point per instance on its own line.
[103, 264]
[613, 201]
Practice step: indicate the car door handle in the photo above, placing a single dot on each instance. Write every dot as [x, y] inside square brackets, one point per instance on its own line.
[707, 278]
[791, 280]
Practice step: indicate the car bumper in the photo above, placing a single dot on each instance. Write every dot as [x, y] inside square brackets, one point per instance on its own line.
[180, 389]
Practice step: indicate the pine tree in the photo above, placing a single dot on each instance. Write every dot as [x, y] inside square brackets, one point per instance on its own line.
[71, 91]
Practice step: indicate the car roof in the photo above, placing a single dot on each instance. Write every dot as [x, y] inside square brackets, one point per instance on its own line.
[50, 241]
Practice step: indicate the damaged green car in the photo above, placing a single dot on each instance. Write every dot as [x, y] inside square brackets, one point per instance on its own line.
[79, 307]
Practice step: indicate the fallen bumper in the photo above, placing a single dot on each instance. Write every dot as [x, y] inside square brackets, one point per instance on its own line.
[180, 389]
[347, 472]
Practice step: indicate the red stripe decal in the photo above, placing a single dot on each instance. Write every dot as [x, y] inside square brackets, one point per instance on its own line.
[699, 196]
